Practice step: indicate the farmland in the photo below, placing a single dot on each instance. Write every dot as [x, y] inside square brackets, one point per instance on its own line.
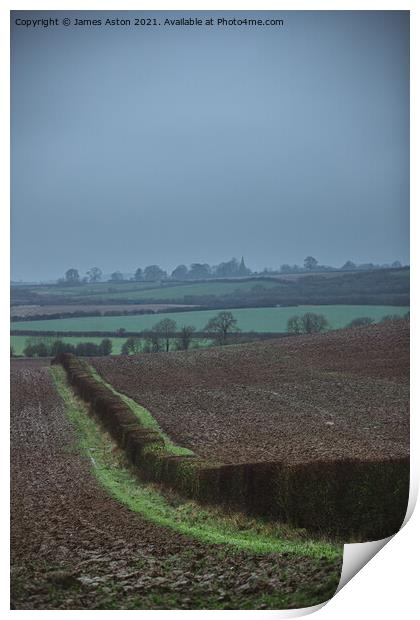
[283, 414]
[87, 535]
[338, 395]
[378, 287]
[147, 290]
[28, 311]
[248, 319]
[317, 402]
[132, 291]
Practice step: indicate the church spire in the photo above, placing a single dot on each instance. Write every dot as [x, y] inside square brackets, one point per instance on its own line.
[243, 271]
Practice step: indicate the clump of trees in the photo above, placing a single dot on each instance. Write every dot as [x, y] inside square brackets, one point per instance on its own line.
[39, 349]
[45, 348]
[394, 317]
[132, 346]
[71, 277]
[309, 323]
[94, 274]
[180, 273]
[159, 338]
[366, 320]
[232, 269]
[163, 336]
[153, 273]
[152, 342]
[203, 271]
[116, 276]
[310, 263]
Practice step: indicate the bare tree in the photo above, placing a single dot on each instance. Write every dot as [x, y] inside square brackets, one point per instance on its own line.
[221, 326]
[166, 328]
[314, 323]
[185, 337]
[154, 273]
[310, 263]
[152, 342]
[94, 274]
[117, 276]
[72, 276]
[294, 325]
[131, 346]
[309, 323]
[139, 276]
[180, 273]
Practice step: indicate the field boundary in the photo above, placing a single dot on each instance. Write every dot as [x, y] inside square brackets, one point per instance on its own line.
[349, 498]
[210, 524]
[141, 334]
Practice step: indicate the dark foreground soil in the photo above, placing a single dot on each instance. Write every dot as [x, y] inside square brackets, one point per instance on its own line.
[335, 395]
[73, 547]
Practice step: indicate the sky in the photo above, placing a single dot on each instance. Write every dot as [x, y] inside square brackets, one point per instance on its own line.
[164, 145]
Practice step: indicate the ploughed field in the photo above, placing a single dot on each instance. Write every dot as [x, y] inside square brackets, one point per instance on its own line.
[75, 547]
[337, 395]
[25, 311]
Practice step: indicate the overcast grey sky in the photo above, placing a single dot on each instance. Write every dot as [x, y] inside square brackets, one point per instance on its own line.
[168, 145]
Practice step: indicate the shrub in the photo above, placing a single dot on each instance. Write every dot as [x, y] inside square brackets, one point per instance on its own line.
[105, 347]
[185, 338]
[360, 321]
[131, 346]
[309, 323]
[391, 317]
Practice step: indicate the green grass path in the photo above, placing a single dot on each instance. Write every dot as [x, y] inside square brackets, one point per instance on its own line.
[209, 525]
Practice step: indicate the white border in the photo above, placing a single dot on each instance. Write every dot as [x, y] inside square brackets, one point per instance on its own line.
[386, 587]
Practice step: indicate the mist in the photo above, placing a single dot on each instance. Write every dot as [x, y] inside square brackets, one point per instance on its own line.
[178, 145]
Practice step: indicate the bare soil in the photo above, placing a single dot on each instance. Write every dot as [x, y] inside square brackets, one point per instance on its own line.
[33, 310]
[74, 547]
[336, 395]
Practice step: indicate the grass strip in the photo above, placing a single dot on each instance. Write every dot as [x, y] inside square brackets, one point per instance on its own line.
[145, 417]
[187, 517]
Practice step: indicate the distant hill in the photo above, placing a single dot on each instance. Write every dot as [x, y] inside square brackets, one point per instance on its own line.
[381, 286]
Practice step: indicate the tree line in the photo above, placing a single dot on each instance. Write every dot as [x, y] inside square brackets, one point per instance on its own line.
[159, 338]
[221, 327]
[47, 347]
[164, 335]
[154, 273]
[203, 271]
[312, 323]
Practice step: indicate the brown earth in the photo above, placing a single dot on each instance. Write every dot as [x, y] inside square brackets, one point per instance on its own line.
[27, 311]
[336, 395]
[74, 547]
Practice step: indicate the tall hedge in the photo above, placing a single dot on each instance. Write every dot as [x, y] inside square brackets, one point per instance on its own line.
[352, 499]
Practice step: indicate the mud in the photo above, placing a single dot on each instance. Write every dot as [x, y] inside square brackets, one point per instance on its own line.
[344, 394]
[74, 547]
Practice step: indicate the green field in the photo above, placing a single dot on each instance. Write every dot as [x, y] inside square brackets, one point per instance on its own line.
[177, 293]
[386, 287]
[249, 319]
[150, 290]
[89, 290]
